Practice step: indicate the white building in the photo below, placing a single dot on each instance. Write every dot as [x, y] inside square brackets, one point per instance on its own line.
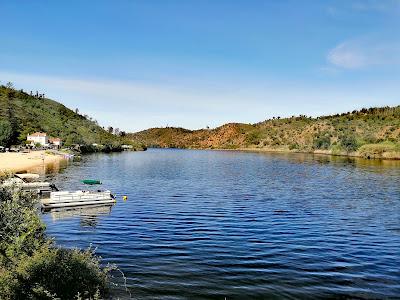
[56, 142]
[38, 138]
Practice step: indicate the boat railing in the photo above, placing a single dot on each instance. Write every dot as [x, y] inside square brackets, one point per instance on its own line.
[79, 197]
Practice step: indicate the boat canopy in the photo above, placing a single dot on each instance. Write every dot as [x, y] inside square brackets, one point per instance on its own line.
[91, 181]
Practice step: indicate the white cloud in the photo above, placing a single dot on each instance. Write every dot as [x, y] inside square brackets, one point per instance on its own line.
[362, 53]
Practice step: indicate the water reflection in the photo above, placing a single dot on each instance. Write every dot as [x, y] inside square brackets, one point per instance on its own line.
[367, 164]
[89, 215]
[51, 168]
[240, 225]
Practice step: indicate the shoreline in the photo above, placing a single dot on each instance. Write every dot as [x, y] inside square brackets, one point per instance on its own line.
[393, 157]
[19, 162]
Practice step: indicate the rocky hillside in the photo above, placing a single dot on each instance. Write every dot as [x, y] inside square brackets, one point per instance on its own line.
[226, 136]
[373, 132]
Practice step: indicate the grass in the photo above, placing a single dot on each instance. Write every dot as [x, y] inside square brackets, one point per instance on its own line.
[382, 150]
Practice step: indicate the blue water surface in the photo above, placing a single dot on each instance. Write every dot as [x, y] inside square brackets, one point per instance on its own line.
[224, 224]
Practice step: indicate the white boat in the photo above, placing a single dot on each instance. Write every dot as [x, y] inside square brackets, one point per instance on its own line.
[77, 198]
[28, 182]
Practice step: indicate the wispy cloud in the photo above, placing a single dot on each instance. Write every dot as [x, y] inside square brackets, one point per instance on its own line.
[377, 5]
[362, 53]
[136, 105]
[141, 104]
[349, 8]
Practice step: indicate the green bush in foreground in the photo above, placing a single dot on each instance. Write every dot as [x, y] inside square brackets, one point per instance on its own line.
[32, 267]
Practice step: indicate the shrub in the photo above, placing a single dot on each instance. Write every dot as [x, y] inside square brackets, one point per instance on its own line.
[31, 267]
[322, 142]
[21, 230]
[253, 138]
[63, 273]
[336, 149]
[349, 143]
[378, 150]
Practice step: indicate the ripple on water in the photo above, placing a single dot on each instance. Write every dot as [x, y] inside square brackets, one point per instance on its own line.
[214, 224]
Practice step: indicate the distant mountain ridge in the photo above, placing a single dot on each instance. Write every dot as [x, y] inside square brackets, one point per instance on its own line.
[370, 133]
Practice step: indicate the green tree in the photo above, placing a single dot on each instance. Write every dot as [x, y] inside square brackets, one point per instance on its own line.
[349, 143]
[322, 142]
[6, 133]
[73, 138]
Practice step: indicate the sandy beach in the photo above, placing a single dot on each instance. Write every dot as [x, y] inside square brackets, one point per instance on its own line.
[16, 162]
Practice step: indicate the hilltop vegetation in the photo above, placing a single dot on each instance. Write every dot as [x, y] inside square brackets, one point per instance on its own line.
[22, 113]
[370, 133]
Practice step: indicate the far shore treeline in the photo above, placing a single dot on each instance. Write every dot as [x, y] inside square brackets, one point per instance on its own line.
[368, 132]
[24, 112]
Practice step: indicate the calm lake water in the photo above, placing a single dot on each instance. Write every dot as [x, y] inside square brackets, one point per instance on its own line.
[216, 224]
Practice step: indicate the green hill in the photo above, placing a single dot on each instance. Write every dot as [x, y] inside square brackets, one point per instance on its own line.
[370, 133]
[22, 113]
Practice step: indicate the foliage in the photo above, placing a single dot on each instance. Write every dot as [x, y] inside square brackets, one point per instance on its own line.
[336, 149]
[349, 143]
[21, 231]
[339, 133]
[23, 113]
[5, 132]
[382, 150]
[32, 267]
[322, 142]
[253, 138]
[61, 272]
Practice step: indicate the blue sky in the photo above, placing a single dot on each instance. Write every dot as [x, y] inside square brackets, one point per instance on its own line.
[140, 64]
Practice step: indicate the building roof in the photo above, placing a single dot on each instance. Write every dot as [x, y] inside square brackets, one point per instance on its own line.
[52, 140]
[38, 134]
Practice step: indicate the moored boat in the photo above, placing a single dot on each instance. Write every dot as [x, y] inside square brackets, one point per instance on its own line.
[29, 182]
[77, 198]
